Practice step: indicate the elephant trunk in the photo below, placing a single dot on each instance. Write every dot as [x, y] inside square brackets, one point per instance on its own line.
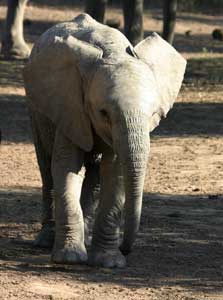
[133, 151]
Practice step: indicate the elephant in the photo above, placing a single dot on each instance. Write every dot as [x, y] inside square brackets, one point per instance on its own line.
[15, 47]
[169, 19]
[93, 100]
[13, 43]
[133, 16]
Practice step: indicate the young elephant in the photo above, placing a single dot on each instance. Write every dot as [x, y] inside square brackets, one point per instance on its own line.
[90, 93]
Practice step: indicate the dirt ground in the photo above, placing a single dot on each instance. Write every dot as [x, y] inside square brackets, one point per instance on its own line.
[179, 251]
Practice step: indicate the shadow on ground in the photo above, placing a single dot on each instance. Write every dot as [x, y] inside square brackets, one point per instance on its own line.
[58, 3]
[14, 119]
[52, 3]
[180, 243]
[194, 43]
[197, 43]
[191, 17]
[11, 73]
[191, 119]
[191, 43]
[204, 71]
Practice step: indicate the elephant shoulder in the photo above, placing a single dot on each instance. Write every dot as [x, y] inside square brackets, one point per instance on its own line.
[75, 27]
[109, 39]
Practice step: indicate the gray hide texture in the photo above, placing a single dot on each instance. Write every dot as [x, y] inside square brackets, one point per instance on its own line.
[102, 96]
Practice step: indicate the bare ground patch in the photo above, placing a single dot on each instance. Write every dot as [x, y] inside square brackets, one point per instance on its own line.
[179, 250]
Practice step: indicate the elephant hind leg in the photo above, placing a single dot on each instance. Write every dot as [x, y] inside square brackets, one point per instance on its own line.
[43, 134]
[90, 194]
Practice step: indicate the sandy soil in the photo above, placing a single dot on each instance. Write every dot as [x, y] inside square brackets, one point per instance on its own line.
[179, 250]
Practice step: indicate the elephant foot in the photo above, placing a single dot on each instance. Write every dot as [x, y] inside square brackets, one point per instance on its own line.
[17, 51]
[69, 255]
[107, 259]
[45, 238]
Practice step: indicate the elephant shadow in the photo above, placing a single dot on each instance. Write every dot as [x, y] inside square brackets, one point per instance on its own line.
[179, 243]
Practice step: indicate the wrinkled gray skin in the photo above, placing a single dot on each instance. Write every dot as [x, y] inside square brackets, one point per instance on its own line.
[91, 93]
[13, 43]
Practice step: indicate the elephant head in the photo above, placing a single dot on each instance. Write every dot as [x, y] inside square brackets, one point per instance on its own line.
[121, 98]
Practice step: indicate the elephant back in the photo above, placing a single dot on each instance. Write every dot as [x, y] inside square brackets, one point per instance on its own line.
[83, 27]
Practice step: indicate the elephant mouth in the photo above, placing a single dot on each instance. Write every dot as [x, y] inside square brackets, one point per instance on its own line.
[101, 139]
[108, 140]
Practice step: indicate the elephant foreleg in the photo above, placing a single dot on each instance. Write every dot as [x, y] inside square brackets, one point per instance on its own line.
[169, 19]
[133, 20]
[96, 8]
[13, 44]
[105, 242]
[68, 174]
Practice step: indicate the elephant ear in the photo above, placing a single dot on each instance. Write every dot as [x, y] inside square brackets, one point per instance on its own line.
[168, 68]
[54, 85]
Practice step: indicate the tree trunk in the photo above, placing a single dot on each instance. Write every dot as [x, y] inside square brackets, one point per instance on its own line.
[133, 19]
[96, 9]
[13, 44]
[169, 19]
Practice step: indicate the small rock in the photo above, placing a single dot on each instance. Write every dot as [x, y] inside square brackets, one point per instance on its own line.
[217, 34]
[188, 33]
